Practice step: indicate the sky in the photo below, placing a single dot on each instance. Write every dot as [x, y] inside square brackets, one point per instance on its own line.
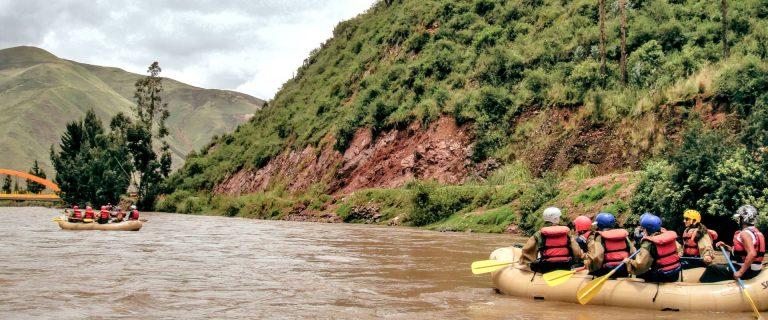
[250, 46]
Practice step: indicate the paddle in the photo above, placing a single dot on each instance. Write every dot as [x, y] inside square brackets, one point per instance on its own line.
[741, 284]
[589, 291]
[559, 277]
[486, 266]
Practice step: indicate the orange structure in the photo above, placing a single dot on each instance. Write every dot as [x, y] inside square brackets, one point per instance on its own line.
[39, 180]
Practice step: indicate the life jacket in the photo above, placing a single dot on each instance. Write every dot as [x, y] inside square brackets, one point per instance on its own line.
[616, 246]
[554, 246]
[665, 258]
[104, 214]
[691, 241]
[88, 214]
[582, 240]
[134, 215]
[740, 253]
[77, 214]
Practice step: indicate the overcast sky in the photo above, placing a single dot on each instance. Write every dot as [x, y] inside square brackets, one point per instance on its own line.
[251, 46]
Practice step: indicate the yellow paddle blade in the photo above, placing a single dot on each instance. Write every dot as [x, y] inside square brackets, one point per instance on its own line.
[57, 219]
[486, 266]
[559, 277]
[751, 303]
[87, 220]
[587, 292]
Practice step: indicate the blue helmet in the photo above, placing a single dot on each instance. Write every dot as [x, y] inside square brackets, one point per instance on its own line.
[605, 220]
[643, 216]
[651, 223]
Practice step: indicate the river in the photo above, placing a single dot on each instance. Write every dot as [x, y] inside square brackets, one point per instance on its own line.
[186, 266]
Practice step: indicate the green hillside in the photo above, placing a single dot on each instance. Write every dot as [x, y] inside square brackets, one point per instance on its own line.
[40, 93]
[526, 76]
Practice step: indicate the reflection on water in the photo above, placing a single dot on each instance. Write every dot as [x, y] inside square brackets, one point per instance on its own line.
[184, 266]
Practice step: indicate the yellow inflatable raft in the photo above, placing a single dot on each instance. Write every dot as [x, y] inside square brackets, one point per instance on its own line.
[133, 225]
[633, 292]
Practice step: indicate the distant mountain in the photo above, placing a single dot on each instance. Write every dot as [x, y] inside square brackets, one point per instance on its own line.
[40, 93]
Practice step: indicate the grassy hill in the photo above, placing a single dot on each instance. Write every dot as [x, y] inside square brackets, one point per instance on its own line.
[40, 93]
[524, 78]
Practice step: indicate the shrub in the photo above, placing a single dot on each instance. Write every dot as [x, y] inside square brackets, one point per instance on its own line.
[741, 85]
[643, 64]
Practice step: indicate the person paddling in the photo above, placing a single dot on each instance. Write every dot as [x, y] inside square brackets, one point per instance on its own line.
[551, 248]
[608, 247]
[133, 214]
[658, 259]
[697, 241]
[748, 250]
[77, 215]
[119, 215]
[103, 215]
[88, 214]
[583, 227]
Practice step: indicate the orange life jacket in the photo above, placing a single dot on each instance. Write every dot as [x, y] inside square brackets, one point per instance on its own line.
[78, 214]
[554, 246]
[740, 253]
[134, 215]
[616, 246]
[665, 258]
[104, 214]
[88, 214]
[691, 243]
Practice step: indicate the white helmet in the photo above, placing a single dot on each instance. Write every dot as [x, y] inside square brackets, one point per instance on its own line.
[552, 215]
[747, 213]
[133, 207]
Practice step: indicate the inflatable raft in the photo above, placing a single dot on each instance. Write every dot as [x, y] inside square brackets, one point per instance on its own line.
[724, 296]
[133, 225]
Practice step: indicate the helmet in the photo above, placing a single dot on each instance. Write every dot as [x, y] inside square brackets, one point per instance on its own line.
[694, 215]
[103, 208]
[133, 207]
[747, 213]
[643, 216]
[651, 223]
[582, 223]
[75, 207]
[88, 208]
[605, 220]
[552, 215]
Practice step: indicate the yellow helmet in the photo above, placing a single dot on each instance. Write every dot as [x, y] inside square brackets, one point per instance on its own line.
[694, 215]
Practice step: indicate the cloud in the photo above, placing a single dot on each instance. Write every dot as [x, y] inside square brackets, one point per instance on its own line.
[244, 45]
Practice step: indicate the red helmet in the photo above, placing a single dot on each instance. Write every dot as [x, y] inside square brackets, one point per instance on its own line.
[88, 208]
[582, 223]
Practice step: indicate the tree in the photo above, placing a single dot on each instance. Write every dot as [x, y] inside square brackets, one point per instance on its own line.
[602, 38]
[16, 188]
[148, 110]
[622, 27]
[34, 187]
[7, 184]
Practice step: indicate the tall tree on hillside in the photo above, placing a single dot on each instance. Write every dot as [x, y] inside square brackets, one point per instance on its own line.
[622, 28]
[16, 188]
[7, 184]
[149, 110]
[602, 40]
[34, 187]
[724, 8]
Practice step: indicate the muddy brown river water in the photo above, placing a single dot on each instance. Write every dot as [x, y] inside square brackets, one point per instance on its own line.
[191, 267]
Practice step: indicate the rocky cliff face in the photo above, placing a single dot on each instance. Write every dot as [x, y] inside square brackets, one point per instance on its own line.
[440, 152]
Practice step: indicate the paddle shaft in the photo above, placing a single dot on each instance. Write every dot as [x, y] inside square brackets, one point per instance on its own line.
[741, 285]
[597, 285]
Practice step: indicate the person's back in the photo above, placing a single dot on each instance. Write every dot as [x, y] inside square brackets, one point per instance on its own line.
[551, 248]
[88, 214]
[77, 215]
[608, 247]
[658, 259]
[103, 215]
[583, 227]
[133, 214]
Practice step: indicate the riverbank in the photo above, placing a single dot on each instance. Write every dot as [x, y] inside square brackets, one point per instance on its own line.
[501, 203]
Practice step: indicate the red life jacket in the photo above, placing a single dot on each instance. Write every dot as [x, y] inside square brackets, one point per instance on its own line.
[104, 215]
[740, 253]
[78, 214]
[89, 214]
[616, 246]
[691, 243]
[134, 215]
[554, 246]
[665, 256]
